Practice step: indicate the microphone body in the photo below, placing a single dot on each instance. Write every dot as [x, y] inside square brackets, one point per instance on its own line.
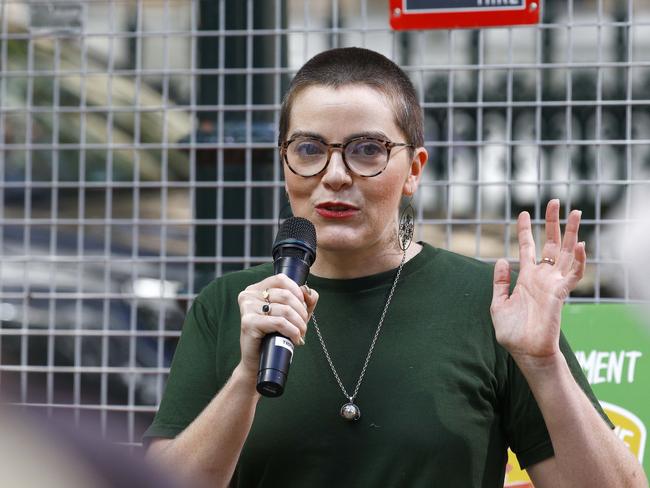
[294, 251]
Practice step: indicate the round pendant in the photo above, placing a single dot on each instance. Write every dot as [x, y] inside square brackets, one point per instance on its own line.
[350, 412]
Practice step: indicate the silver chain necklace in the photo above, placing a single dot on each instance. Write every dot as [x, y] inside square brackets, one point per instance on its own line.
[350, 411]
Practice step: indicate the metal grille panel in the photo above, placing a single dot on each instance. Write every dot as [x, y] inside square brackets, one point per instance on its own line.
[138, 161]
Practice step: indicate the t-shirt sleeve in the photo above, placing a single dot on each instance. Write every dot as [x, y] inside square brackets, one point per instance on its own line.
[192, 381]
[524, 424]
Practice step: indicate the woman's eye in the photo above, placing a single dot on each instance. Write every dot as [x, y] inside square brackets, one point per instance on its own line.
[367, 149]
[309, 149]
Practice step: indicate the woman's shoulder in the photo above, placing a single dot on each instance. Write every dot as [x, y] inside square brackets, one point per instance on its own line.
[234, 282]
[454, 274]
[444, 260]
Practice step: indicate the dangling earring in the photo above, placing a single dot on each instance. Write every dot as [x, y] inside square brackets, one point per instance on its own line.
[406, 226]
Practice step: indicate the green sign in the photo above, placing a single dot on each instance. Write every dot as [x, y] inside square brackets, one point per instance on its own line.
[612, 344]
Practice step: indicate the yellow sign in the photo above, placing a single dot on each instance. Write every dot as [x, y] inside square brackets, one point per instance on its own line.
[628, 428]
[515, 476]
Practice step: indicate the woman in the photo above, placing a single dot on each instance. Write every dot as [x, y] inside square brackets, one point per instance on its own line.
[427, 350]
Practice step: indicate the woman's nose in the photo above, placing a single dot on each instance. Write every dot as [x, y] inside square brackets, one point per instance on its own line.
[337, 173]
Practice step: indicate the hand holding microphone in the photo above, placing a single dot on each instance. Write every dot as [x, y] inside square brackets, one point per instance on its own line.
[275, 311]
[294, 251]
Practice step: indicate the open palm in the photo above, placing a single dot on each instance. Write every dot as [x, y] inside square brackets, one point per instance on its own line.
[527, 322]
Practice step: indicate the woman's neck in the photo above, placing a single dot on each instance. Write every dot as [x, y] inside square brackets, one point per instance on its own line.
[348, 265]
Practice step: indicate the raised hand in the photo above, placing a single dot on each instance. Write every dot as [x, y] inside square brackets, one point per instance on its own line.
[527, 322]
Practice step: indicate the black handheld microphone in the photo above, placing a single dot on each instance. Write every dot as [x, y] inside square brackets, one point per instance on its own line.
[294, 251]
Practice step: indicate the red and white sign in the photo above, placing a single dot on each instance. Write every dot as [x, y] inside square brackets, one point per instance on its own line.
[449, 14]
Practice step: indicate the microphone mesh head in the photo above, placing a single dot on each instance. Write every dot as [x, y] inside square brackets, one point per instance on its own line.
[299, 229]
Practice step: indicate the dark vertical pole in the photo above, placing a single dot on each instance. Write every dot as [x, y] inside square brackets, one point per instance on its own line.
[234, 129]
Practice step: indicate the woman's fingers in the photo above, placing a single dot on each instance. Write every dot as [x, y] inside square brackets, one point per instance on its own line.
[551, 247]
[280, 281]
[526, 242]
[311, 298]
[290, 314]
[567, 253]
[258, 325]
[277, 288]
[285, 297]
[275, 304]
[578, 267]
[558, 248]
[253, 304]
[501, 285]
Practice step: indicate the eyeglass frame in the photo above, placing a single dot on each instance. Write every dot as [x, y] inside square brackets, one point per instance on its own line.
[341, 145]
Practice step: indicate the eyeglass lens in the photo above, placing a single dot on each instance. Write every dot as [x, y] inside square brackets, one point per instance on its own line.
[365, 157]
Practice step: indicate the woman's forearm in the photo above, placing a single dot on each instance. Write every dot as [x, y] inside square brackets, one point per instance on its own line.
[209, 448]
[587, 452]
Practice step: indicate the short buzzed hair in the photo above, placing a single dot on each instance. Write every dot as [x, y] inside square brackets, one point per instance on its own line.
[357, 66]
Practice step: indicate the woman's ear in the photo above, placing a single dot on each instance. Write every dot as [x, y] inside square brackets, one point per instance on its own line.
[418, 161]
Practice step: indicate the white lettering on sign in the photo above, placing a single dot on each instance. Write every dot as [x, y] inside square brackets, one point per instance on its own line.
[608, 366]
[489, 3]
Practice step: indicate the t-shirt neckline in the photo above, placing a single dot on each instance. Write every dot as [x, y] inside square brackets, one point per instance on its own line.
[376, 280]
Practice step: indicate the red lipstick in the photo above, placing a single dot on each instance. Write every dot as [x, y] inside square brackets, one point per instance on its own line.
[336, 210]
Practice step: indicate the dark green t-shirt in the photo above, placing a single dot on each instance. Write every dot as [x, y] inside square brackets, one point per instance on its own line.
[440, 401]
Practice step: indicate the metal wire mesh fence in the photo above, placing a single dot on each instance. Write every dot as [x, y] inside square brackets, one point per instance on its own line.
[138, 162]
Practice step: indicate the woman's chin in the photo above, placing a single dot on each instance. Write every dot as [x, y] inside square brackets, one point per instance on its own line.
[338, 241]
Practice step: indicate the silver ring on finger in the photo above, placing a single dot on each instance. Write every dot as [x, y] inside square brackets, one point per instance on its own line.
[266, 309]
[547, 260]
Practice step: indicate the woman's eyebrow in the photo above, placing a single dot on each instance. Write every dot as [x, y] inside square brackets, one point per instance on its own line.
[372, 134]
[303, 133]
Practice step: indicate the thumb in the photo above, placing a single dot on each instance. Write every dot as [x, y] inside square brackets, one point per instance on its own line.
[501, 285]
[311, 298]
